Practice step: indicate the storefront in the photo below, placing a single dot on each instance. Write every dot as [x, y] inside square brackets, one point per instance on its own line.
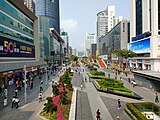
[139, 64]
[147, 65]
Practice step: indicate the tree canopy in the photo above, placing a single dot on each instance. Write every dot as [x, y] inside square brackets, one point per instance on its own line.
[124, 53]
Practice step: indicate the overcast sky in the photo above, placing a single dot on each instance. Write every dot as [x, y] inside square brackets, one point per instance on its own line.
[79, 16]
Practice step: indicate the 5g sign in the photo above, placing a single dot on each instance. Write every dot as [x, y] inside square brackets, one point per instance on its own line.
[9, 46]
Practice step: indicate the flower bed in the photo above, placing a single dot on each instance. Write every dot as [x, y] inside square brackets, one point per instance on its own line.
[59, 105]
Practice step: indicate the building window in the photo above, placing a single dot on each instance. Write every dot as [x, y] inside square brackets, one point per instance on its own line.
[138, 17]
[123, 27]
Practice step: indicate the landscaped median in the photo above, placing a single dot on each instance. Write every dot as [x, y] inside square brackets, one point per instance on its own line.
[57, 106]
[113, 86]
[97, 75]
[143, 111]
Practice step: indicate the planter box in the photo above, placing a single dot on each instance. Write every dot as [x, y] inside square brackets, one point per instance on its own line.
[135, 96]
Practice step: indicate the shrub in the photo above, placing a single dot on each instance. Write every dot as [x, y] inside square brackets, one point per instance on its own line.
[55, 90]
[135, 112]
[64, 100]
[114, 85]
[49, 107]
[97, 73]
[148, 106]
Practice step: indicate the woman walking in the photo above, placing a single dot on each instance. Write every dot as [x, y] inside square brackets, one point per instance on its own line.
[98, 115]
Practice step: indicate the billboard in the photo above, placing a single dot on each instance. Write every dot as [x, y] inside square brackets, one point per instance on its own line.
[12, 48]
[140, 46]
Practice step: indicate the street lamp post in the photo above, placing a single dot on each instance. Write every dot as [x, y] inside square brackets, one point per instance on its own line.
[25, 85]
[46, 75]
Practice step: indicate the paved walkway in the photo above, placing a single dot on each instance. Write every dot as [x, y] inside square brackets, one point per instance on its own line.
[147, 94]
[95, 100]
[31, 110]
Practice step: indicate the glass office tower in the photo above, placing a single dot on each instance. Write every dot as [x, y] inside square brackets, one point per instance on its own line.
[49, 8]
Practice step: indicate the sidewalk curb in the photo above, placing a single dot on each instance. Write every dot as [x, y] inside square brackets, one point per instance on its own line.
[72, 113]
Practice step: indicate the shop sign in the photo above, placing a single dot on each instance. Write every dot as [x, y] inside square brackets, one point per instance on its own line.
[12, 48]
[147, 61]
[9, 72]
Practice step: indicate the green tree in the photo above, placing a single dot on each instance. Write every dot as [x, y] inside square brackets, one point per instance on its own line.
[73, 57]
[127, 54]
[124, 54]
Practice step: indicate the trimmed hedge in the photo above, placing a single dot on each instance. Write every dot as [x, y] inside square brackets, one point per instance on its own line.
[97, 73]
[148, 107]
[135, 111]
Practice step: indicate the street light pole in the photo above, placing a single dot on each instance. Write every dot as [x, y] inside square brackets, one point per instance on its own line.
[25, 85]
[46, 75]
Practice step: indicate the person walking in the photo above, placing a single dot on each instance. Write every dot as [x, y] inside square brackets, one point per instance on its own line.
[41, 89]
[81, 86]
[119, 104]
[16, 91]
[13, 101]
[98, 115]
[156, 98]
[41, 82]
[16, 102]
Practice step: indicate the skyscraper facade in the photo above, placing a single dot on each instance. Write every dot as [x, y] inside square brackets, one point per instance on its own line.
[18, 42]
[90, 39]
[145, 34]
[30, 4]
[105, 22]
[65, 37]
[49, 8]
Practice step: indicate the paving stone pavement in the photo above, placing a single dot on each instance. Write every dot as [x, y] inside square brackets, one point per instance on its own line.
[31, 110]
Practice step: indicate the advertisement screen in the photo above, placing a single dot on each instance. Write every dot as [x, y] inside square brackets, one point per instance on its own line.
[140, 46]
[12, 48]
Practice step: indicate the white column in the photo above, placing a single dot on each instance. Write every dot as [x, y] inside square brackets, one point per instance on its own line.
[132, 19]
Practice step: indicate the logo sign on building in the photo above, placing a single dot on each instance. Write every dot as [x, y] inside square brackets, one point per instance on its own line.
[12, 48]
[111, 14]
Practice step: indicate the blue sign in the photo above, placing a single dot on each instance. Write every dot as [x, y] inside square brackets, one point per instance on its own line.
[140, 46]
[139, 37]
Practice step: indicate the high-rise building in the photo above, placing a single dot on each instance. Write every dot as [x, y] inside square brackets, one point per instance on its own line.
[18, 42]
[70, 50]
[115, 39]
[117, 20]
[43, 37]
[49, 8]
[30, 4]
[93, 50]
[145, 34]
[65, 37]
[74, 51]
[90, 39]
[105, 22]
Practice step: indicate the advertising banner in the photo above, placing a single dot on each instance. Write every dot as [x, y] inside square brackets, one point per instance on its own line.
[12, 48]
[140, 46]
